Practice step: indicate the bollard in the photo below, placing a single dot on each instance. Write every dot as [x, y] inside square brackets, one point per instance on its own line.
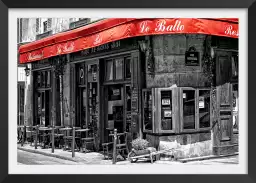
[73, 142]
[53, 139]
[36, 136]
[114, 147]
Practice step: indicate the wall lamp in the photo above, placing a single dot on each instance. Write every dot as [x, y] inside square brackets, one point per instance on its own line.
[27, 70]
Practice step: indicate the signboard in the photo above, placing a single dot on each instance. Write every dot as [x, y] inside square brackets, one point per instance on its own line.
[116, 92]
[168, 114]
[201, 102]
[116, 45]
[134, 100]
[166, 101]
[192, 58]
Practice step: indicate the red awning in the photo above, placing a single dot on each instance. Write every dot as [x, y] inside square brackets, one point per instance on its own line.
[113, 29]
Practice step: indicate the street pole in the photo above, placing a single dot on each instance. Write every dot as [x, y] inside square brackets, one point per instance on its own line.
[36, 136]
[73, 141]
[53, 138]
[114, 147]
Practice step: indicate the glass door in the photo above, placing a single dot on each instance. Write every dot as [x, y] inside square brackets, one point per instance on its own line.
[115, 107]
[127, 111]
[82, 122]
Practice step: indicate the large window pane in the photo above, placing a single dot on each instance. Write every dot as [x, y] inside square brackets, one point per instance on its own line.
[166, 110]
[119, 68]
[109, 72]
[147, 107]
[204, 108]
[188, 109]
[127, 68]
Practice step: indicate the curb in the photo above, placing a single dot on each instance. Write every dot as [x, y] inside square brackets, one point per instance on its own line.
[47, 154]
[206, 157]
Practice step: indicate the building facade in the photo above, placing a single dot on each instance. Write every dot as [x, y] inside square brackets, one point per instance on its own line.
[175, 90]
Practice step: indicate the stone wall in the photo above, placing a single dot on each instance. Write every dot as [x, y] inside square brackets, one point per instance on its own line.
[169, 60]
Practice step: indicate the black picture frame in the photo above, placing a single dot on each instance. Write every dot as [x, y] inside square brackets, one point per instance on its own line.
[6, 4]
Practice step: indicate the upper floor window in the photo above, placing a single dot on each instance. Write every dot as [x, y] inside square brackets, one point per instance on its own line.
[45, 26]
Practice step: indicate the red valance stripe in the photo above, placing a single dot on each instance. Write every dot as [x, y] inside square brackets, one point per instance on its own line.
[113, 29]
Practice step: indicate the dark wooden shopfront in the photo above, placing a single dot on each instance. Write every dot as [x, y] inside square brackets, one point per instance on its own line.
[102, 82]
[46, 88]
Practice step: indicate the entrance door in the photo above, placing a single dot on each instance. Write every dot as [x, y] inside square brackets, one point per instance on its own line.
[43, 107]
[115, 107]
[223, 131]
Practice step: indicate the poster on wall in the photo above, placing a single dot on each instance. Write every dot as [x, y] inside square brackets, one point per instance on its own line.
[201, 102]
[168, 114]
[166, 101]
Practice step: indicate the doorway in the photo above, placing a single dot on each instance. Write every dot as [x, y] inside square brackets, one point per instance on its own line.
[118, 109]
[81, 122]
[43, 108]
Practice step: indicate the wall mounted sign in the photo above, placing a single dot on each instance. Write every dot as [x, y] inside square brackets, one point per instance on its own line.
[166, 101]
[116, 45]
[168, 114]
[201, 102]
[116, 92]
[192, 58]
[112, 29]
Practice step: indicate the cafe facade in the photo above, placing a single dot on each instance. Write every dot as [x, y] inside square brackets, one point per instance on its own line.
[153, 78]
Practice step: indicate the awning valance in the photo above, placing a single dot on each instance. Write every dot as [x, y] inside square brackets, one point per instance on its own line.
[113, 29]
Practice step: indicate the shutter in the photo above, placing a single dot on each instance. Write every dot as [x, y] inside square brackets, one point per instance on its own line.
[49, 23]
[21, 30]
[37, 25]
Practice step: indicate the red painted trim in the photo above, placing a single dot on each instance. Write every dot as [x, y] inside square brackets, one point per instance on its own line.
[113, 29]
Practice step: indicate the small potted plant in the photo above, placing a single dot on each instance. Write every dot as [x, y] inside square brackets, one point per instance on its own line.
[139, 146]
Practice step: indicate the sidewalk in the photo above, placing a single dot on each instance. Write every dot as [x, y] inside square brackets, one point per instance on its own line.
[82, 158]
[98, 158]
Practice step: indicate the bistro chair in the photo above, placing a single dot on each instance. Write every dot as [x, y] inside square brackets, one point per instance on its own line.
[107, 147]
[121, 145]
[30, 132]
[88, 139]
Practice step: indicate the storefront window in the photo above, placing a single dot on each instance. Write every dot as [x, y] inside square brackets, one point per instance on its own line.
[235, 108]
[147, 110]
[188, 109]
[119, 68]
[204, 108]
[48, 79]
[127, 68]
[109, 71]
[166, 110]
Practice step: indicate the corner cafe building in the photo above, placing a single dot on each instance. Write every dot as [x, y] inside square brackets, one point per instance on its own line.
[149, 77]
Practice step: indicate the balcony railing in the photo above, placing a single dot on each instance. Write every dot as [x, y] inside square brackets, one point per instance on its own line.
[79, 23]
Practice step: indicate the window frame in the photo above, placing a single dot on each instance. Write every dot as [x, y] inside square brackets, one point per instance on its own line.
[157, 116]
[152, 107]
[113, 60]
[181, 110]
[197, 122]
[206, 128]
